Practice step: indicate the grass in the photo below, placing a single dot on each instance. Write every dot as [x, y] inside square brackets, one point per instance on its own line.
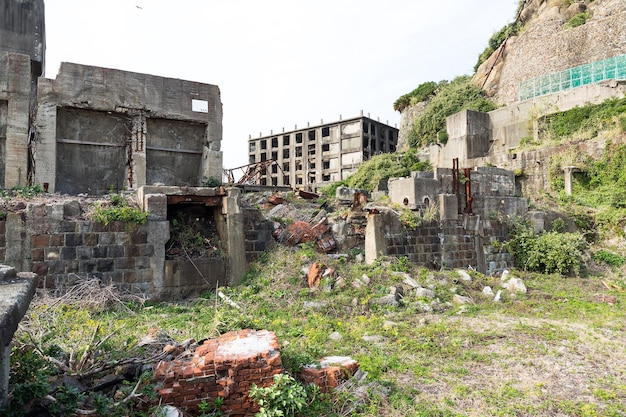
[509, 358]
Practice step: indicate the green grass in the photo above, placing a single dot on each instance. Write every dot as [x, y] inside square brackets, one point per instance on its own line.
[489, 359]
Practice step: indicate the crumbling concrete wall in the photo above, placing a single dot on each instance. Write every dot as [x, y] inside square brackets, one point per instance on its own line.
[226, 368]
[100, 128]
[22, 30]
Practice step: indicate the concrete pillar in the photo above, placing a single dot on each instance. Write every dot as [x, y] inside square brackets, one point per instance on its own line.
[235, 239]
[374, 238]
[158, 235]
[46, 148]
[568, 170]
[448, 207]
[137, 175]
[17, 249]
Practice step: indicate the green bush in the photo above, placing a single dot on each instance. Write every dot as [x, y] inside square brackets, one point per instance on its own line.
[119, 210]
[549, 252]
[285, 398]
[607, 257]
[384, 166]
[459, 94]
[578, 20]
[496, 40]
[422, 93]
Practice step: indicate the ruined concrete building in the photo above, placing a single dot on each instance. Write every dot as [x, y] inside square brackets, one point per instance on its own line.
[320, 155]
[92, 129]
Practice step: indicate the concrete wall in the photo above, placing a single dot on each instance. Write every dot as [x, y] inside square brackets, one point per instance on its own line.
[22, 30]
[100, 127]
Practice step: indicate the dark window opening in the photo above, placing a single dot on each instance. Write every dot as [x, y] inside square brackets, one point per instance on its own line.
[325, 147]
[285, 140]
[286, 180]
[263, 144]
[285, 153]
[286, 167]
[373, 129]
[373, 146]
[325, 132]
[311, 134]
[274, 169]
[365, 127]
[263, 181]
[366, 143]
[274, 181]
[312, 165]
[392, 147]
[326, 177]
[299, 180]
[298, 165]
[274, 142]
[252, 146]
[274, 155]
[325, 164]
[311, 149]
[263, 157]
[252, 159]
[264, 171]
[298, 137]
[299, 151]
[311, 179]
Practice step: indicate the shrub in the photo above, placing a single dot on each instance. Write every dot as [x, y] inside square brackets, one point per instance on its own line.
[607, 257]
[119, 210]
[496, 40]
[578, 20]
[422, 93]
[285, 398]
[548, 252]
[459, 94]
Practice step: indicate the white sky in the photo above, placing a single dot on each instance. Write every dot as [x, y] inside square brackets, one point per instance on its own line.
[280, 63]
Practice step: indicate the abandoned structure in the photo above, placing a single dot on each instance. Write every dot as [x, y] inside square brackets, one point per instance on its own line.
[320, 155]
[93, 129]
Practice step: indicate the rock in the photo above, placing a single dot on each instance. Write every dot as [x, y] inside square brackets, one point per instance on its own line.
[335, 336]
[313, 305]
[280, 211]
[276, 199]
[459, 299]
[361, 282]
[422, 307]
[390, 300]
[71, 209]
[504, 276]
[406, 279]
[574, 9]
[359, 258]
[340, 282]
[487, 291]
[496, 299]
[389, 324]
[464, 275]
[424, 293]
[372, 338]
[515, 285]
[397, 290]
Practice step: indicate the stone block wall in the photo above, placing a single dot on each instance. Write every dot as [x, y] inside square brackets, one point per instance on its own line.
[257, 234]
[225, 367]
[116, 252]
[497, 258]
[420, 245]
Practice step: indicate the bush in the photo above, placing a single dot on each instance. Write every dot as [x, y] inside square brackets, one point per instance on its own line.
[422, 93]
[285, 398]
[119, 210]
[496, 40]
[460, 94]
[550, 252]
[578, 20]
[608, 258]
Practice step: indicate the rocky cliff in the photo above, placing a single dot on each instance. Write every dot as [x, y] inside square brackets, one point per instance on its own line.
[546, 43]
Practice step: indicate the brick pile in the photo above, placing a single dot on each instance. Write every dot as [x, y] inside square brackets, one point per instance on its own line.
[225, 367]
[329, 372]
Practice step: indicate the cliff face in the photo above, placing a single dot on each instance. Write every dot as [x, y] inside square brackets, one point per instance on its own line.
[546, 45]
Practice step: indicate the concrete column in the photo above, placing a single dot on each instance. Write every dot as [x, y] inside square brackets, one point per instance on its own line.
[568, 170]
[448, 207]
[46, 148]
[158, 235]
[137, 175]
[17, 251]
[374, 238]
[235, 239]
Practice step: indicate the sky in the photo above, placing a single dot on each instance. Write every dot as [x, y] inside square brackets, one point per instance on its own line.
[280, 63]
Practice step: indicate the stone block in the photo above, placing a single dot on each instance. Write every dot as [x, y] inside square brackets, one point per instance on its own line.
[156, 206]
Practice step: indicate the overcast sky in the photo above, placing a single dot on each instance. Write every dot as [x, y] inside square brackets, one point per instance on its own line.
[280, 63]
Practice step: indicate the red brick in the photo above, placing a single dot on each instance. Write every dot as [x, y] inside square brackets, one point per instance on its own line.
[40, 241]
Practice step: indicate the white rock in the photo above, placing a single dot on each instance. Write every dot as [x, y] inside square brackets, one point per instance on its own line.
[464, 275]
[496, 299]
[424, 293]
[459, 299]
[515, 285]
[487, 291]
[335, 336]
[505, 275]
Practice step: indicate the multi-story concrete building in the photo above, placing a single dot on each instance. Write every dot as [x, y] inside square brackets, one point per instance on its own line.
[314, 156]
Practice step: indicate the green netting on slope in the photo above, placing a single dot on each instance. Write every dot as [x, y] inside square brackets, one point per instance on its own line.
[608, 69]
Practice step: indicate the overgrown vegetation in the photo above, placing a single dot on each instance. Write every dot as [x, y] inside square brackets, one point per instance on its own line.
[380, 168]
[422, 93]
[119, 208]
[424, 357]
[452, 97]
[578, 20]
[496, 40]
[22, 191]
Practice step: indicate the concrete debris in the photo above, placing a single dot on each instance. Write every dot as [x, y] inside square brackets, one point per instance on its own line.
[276, 199]
[487, 291]
[460, 299]
[515, 285]
[464, 275]
[424, 293]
